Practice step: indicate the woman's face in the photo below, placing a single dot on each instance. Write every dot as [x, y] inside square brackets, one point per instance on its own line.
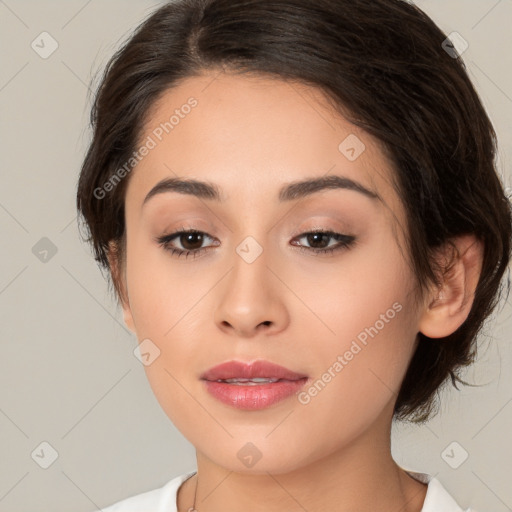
[257, 290]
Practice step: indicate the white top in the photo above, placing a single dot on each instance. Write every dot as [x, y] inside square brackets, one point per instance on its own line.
[163, 499]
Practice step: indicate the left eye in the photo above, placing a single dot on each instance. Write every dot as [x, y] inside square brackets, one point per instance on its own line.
[191, 241]
[319, 237]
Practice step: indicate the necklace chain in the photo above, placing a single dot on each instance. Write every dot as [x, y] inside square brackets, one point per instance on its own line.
[193, 507]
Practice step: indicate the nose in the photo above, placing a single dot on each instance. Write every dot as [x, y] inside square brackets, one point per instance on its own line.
[251, 299]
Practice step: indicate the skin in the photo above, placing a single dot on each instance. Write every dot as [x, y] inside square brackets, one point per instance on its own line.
[250, 136]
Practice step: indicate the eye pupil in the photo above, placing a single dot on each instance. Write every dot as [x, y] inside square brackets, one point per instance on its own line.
[189, 238]
[317, 237]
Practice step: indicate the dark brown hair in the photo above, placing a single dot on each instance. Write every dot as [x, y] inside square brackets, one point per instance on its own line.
[383, 64]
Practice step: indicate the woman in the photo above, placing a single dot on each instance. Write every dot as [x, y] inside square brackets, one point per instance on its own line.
[298, 205]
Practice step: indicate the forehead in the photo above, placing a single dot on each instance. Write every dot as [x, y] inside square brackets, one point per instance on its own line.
[249, 134]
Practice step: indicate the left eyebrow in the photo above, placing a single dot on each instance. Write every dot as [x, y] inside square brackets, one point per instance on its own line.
[289, 192]
[299, 189]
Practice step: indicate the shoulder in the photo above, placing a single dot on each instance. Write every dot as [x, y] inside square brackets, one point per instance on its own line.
[437, 497]
[157, 500]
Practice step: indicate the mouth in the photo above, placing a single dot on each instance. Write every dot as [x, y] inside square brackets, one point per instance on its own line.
[250, 382]
[252, 386]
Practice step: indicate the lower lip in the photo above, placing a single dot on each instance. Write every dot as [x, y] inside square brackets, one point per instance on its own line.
[255, 397]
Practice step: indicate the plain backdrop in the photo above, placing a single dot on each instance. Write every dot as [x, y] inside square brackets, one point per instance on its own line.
[68, 375]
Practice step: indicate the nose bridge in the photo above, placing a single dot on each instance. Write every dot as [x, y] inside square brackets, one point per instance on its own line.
[250, 274]
[255, 243]
[251, 240]
[250, 295]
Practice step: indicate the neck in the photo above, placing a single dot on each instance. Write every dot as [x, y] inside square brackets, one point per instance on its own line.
[360, 476]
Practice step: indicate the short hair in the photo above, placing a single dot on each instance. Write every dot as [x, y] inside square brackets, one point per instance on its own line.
[385, 66]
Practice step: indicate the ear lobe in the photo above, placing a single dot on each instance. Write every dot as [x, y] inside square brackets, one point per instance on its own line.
[119, 285]
[450, 306]
[128, 318]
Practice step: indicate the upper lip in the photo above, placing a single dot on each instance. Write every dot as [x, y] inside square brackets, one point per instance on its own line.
[256, 369]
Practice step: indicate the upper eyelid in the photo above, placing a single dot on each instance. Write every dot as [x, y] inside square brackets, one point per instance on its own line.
[320, 225]
[314, 229]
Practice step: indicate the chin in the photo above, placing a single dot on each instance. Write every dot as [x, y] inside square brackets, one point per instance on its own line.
[259, 456]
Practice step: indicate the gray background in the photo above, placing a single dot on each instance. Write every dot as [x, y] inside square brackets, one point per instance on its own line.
[68, 375]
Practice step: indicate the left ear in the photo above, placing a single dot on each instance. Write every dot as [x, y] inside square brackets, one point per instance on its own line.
[447, 309]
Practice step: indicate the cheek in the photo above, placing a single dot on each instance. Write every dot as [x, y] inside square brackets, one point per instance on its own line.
[343, 298]
[358, 377]
[160, 290]
[365, 325]
[163, 303]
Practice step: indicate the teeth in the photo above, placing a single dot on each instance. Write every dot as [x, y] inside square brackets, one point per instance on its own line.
[249, 382]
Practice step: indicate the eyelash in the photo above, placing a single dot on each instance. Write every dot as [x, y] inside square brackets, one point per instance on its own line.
[345, 241]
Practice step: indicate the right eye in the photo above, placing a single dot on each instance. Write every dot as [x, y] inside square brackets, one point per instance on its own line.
[188, 239]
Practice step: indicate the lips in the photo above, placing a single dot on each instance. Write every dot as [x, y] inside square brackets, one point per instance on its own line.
[244, 372]
[252, 386]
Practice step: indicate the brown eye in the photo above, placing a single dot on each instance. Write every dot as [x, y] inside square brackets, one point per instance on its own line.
[319, 241]
[190, 240]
